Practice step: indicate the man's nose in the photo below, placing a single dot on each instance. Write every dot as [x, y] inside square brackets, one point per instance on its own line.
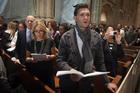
[85, 17]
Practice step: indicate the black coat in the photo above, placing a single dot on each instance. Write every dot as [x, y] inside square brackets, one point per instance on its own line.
[21, 46]
[112, 51]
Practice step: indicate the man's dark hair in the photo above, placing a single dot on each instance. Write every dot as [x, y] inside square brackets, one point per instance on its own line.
[79, 6]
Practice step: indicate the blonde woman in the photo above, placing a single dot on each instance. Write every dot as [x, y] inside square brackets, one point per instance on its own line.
[10, 37]
[41, 44]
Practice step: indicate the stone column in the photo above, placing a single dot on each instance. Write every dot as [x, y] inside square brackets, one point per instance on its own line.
[44, 8]
[138, 14]
[39, 8]
[95, 11]
[50, 8]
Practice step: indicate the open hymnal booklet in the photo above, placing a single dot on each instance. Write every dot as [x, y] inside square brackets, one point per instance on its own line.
[11, 49]
[73, 71]
[38, 57]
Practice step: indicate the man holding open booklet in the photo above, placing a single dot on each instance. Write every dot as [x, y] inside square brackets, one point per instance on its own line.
[80, 48]
[73, 71]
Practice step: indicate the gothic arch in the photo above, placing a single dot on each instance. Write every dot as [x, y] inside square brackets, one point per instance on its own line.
[106, 14]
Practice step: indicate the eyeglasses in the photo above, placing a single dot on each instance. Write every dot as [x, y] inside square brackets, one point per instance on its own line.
[39, 31]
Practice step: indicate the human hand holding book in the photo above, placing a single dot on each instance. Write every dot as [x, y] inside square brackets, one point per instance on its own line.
[73, 71]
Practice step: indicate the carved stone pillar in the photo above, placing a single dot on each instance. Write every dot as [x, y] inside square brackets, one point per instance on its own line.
[95, 11]
[138, 15]
[44, 8]
[50, 8]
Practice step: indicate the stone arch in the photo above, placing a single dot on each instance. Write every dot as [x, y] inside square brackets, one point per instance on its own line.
[106, 14]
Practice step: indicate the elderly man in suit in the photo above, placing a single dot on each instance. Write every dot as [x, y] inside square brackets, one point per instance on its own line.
[23, 38]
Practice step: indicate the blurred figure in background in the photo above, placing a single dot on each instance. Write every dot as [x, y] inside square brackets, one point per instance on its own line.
[9, 38]
[62, 29]
[112, 50]
[3, 27]
[137, 41]
[23, 38]
[21, 26]
[130, 35]
[52, 26]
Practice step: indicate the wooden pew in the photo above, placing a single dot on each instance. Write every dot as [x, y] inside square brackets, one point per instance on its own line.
[127, 50]
[130, 55]
[116, 80]
[132, 50]
[125, 62]
[133, 47]
[100, 87]
[31, 83]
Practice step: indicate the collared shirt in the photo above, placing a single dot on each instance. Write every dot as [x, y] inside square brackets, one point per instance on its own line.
[28, 35]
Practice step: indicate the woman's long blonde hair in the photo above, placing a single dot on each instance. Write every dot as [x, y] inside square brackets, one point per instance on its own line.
[12, 26]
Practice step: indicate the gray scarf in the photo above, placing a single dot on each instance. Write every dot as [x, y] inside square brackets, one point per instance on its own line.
[85, 52]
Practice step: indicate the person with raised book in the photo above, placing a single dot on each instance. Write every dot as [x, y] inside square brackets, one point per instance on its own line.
[81, 49]
[39, 57]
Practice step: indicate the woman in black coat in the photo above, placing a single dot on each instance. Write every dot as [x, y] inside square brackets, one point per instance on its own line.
[41, 44]
[112, 50]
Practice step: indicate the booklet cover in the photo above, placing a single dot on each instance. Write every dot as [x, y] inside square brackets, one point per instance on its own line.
[38, 57]
[73, 71]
